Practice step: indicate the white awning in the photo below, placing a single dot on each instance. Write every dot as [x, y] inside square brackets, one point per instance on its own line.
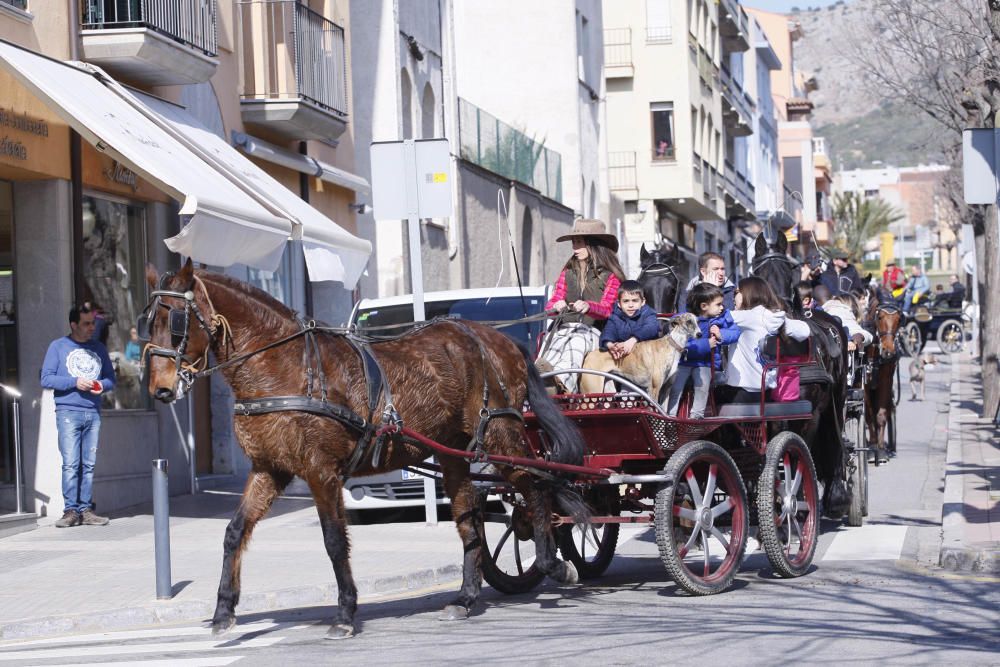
[169, 148]
[225, 225]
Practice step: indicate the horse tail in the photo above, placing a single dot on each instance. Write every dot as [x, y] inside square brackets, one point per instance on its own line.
[566, 442]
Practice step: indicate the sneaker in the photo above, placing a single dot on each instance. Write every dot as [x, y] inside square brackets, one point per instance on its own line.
[69, 519]
[90, 519]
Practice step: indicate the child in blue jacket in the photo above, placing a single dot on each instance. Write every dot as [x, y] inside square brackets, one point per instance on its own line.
[631, 322]
[701, 354]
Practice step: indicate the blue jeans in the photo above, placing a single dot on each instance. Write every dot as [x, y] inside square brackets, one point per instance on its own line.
[78, 433]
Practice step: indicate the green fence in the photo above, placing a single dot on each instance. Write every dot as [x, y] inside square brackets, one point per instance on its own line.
[492, 144]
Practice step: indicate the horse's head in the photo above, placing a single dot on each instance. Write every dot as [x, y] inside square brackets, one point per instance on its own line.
[773, 265]
[660, 283]
[884, 312]
[179, 322]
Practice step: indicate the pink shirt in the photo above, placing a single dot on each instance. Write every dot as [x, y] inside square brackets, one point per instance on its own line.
[598, 310]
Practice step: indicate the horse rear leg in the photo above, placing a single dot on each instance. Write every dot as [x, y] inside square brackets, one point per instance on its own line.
[261, 489]
[467, 514]
[330, 507]
[541, 503]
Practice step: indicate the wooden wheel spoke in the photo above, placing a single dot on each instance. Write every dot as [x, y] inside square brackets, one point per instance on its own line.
[501, 542]
[695, 489]
[723, 507]
[717, 534]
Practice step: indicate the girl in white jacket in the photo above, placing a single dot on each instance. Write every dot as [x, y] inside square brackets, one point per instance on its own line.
[759, 313]
[844, 310]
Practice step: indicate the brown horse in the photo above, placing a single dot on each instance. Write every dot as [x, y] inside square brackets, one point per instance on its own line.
[881, 358]
[459, 383]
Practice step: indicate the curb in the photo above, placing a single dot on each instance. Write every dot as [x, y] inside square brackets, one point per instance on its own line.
[199, 611]
[955, 555]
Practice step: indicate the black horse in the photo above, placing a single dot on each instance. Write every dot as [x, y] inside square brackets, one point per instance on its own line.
[825, 385]
[660, 283]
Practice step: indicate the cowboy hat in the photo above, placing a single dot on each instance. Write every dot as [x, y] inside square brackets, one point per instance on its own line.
[593, 229]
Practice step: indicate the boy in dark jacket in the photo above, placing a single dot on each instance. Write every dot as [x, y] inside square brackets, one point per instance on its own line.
[631, 322]
[702, 353]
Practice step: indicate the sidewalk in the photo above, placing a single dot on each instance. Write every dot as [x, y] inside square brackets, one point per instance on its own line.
[971, 511]
[96, 578]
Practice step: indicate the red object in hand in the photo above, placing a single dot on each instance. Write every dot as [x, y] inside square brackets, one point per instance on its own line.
[96, 385]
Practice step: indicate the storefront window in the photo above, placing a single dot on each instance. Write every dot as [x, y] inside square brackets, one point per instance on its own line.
[114, 282]
[275, 283]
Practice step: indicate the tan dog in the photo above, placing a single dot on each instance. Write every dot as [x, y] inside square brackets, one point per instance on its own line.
[651, 364]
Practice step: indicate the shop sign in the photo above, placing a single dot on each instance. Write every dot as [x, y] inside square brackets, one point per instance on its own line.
[19, 122]
[119, 173]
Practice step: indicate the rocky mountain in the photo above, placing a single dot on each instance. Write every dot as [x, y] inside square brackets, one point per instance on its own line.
[858, 125]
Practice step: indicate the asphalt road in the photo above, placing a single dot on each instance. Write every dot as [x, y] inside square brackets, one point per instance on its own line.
[873, 595]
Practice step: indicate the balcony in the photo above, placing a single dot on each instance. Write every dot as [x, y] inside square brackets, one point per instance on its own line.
[707, 70]
[739, 192]
[618, 53]
[621, 170]
[151, 42]
[488, 142]
[734, 27]
[737, 109]
[294, 70]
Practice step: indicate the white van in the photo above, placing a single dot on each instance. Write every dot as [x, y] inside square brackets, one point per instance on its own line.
[400, 488]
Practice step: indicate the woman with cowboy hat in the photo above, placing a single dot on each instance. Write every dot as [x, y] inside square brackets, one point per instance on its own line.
[584, 296]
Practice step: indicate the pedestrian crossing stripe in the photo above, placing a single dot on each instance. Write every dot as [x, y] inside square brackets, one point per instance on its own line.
[97, 651]
[868, 542]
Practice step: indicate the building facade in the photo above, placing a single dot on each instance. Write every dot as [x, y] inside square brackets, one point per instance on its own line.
[87, 201]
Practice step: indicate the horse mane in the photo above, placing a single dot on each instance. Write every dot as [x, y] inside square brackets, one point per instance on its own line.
[272, 313]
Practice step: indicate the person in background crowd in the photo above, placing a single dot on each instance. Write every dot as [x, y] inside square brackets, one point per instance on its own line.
[915, 288]
[133, 348]
[840, 276]
[78, 370]
[711, 270]
[805, 292]
[585, 294]
[894, 278]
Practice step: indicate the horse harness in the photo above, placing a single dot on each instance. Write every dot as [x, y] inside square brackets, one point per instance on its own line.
[372, 435]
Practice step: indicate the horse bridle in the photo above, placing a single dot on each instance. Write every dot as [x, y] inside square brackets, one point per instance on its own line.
[178, 321]
[760, 261]
[659, 269]
[880, 308]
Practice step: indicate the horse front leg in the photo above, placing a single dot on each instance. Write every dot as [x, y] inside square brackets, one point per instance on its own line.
[262, 487]
[332, 519]
[468, 517]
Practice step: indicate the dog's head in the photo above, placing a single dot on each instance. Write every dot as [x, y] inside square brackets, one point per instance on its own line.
[687, 324]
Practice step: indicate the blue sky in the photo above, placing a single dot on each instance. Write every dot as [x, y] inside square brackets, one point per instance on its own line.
[784, 6]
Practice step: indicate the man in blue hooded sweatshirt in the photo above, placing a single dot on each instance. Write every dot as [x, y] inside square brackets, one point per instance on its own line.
[78, 370]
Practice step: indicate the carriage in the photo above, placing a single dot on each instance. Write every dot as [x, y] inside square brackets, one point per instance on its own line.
[701, 483]
[947, 325]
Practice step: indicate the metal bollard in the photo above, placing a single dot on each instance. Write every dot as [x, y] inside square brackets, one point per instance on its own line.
[161, 529]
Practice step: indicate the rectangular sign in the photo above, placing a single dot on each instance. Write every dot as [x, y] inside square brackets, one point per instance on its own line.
[979, 166]
[411, 179]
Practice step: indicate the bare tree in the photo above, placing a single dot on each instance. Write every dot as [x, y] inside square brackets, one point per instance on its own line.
[943, 58]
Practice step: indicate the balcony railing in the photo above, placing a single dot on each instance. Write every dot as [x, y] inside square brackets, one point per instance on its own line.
[291, 52]
[19, 4]
[621, 170]
[190, 22]
[707, 69]
[659, 34]
[486, 141]
[617, 47]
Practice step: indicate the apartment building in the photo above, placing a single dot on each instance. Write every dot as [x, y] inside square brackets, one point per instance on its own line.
[805, 173]
[679, 115]
[926, 233]
[228, 140]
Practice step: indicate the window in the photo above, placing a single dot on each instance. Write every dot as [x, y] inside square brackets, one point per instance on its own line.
[114, 282]
[662, 115]
[658, 21]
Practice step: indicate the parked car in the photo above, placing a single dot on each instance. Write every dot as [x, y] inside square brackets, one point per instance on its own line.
[401, 488]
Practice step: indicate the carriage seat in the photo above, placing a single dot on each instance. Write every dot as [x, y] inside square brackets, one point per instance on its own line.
[786, 409]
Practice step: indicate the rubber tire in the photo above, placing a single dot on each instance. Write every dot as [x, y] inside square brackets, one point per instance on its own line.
[768, 532]
[913, 339]
[594, 565]
[856, 513]
[897, 388]
[890, 432]
[701, 452]
[499, 579]
[942, 335]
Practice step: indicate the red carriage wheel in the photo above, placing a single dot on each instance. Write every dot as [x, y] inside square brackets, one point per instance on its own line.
[854, 429]
[591, 549]
[788, 505]
[508, 549]
[701, 518]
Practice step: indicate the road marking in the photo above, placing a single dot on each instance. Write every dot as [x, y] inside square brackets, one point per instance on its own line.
[136, 649]
[868, 542]
[154, 633]
[183, 662]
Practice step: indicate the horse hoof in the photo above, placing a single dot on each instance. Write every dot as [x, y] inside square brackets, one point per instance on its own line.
[222, 626]
[454, 612]
[340, 631]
